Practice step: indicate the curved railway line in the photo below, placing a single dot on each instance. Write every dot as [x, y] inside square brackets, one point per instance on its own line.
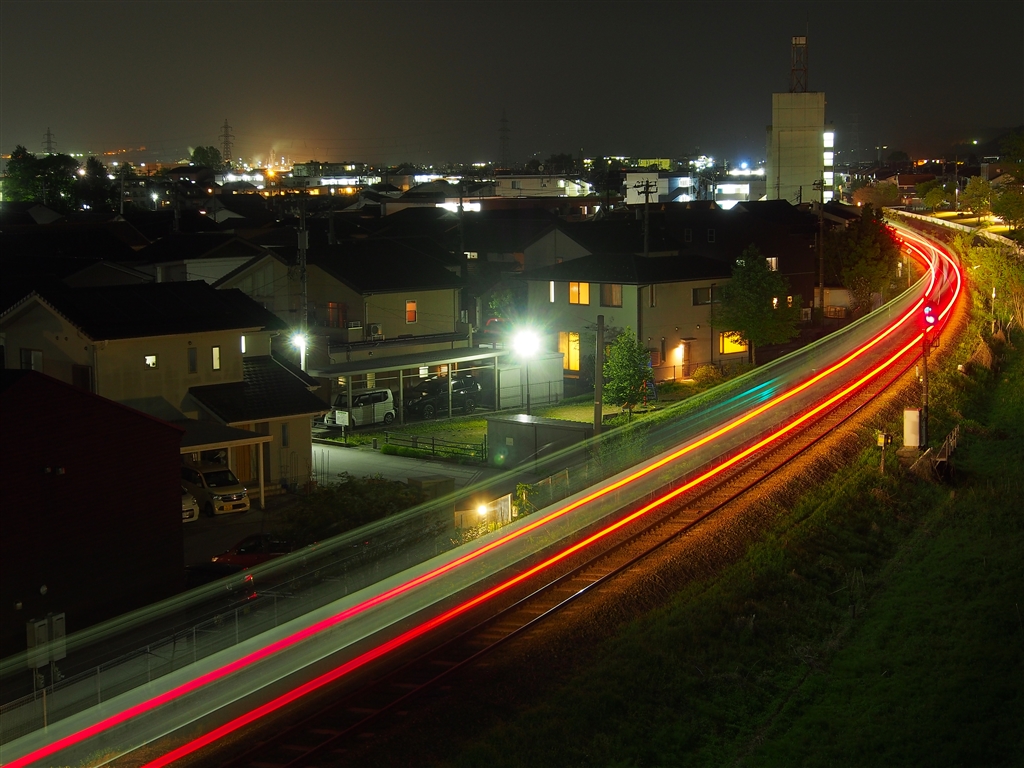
[324, 681]
[352, 714]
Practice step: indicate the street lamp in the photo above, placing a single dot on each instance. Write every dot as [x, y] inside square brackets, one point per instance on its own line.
[526, 344]
[299, 341]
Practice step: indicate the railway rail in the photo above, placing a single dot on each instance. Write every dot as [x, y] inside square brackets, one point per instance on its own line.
[349, 715]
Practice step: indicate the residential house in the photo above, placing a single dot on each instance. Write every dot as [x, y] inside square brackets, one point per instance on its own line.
[91, 522]
[172, 350]
[666, 301]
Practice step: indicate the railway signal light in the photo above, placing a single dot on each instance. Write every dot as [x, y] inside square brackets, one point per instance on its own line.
[929, 316]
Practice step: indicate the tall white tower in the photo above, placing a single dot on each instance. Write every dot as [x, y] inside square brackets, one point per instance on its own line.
[799, 149]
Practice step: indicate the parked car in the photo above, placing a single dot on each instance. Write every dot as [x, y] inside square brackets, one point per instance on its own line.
[431, 397]
[369, 406]
[216, 488]
[253, 550]
[189, 506]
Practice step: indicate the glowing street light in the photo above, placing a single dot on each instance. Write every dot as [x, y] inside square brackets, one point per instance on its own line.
[299, 342]
[526, 344]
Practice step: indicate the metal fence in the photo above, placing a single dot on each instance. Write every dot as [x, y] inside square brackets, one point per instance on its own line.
[437, 446]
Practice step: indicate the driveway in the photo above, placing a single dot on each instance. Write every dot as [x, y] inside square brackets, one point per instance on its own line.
[331, 460]
[209, 536]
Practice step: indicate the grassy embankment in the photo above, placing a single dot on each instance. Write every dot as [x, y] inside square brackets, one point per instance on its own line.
[879, 623]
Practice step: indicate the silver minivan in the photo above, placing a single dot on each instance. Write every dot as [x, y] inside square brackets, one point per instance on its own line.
[369, 406]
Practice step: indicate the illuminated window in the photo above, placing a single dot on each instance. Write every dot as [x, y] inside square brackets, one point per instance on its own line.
[150, 361]
[579, 293]
[829, 158]
[789, 301]
[424, 372]
[569, 346]
[773, 263]
[611, 294]
[775, 302]
[830, 139]
[410, 311]
[551, 291]
[472, 254]
[335, 314]
[193, 360]
[216, 358]
[243, 345]
[729, 342]
[371, 380]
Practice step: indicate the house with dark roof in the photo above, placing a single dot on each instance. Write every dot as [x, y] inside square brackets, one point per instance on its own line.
[92, 500]
[364, 297]
[666, 301]
[172, 350]
[204, 256]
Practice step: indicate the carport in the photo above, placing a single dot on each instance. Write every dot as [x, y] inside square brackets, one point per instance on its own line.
[210, 436]
[411, 366]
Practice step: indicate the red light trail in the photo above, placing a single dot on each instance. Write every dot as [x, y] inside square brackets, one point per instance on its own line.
[342, 670]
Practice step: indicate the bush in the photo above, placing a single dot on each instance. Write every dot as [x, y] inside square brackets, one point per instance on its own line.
[707, 376]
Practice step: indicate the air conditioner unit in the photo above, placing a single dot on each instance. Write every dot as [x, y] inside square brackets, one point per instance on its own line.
[373, 330]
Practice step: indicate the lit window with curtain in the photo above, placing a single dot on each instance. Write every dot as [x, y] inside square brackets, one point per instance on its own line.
[410, 311]
[569, 346]
[579, 293]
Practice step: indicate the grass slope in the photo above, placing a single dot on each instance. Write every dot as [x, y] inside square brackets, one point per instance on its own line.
[878, 624]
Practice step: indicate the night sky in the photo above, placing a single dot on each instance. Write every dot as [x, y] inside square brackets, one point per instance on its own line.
[386, 82]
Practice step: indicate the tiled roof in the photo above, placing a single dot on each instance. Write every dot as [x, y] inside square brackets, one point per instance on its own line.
[271, 389]
[633, 270]
[384, 266]
[156, 309]
[196, 245]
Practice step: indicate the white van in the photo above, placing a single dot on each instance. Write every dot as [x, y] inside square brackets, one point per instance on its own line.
[369, 406]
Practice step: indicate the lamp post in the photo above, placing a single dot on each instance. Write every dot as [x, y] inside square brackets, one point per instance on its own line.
[526, 343]
[299, 340]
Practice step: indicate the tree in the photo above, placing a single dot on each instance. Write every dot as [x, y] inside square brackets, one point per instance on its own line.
[21, 181]
[881, 194]
[93, 187]
[977, 196]
[1009, 206]
[207, 157]
[935, 197]
[753, 304]
[627, 371]
[863, 257]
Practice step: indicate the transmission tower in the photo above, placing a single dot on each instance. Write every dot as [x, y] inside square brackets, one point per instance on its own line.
[503, 141]
[49, 147]
[226, 142]
[798, 65]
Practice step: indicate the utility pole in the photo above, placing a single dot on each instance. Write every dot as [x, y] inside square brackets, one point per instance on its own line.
[821, 249]
[599, 377]
[646, 185]
[124, 171]
[303, 244]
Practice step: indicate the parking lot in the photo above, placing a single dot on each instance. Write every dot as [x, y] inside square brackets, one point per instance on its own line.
[209, 536]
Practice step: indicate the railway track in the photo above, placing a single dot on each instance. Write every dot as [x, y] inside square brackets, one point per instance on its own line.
[339, 719]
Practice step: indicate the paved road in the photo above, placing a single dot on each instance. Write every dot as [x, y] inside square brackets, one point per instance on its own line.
[331, 460]
[209, 536]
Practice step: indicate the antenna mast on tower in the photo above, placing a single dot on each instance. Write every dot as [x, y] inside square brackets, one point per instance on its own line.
[226, 142]
[503, 141]
[798, 65]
